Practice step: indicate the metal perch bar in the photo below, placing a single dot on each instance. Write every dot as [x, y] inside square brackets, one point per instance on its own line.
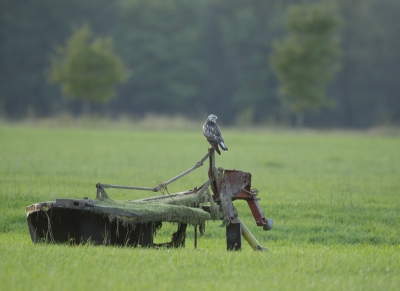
[126, 187]
[160, 185]
[197, 165]
[199, 192]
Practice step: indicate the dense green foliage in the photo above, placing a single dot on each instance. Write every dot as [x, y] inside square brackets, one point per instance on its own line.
[193, 57]
[306, 60]
[87, 68]
[333, 198]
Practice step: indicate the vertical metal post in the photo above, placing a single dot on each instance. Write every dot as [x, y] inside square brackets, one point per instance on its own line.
[233, 237]
[195, 236]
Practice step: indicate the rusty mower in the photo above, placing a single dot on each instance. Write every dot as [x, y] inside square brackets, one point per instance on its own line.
[135, 222]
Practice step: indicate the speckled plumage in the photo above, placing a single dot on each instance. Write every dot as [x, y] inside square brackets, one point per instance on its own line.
[213, 134]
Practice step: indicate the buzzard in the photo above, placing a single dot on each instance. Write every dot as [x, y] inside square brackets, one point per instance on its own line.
[213, 134]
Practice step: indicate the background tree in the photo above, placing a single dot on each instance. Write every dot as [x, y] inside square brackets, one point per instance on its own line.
[160, 39]
[249, 28]
[87, 68]
[199, 56]
[307, 59]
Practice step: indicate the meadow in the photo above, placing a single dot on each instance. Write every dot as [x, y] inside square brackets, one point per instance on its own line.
[334, 198]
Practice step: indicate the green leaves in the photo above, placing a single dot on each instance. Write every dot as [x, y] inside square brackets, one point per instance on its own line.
[87, 68]
[306, 60]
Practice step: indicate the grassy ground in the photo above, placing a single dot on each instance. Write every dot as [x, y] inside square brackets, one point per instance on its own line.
[334, 199]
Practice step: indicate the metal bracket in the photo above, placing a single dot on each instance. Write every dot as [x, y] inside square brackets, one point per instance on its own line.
[101, 193]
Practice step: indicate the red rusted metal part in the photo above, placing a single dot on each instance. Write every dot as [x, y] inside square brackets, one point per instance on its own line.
[257, 212]
[229, 185]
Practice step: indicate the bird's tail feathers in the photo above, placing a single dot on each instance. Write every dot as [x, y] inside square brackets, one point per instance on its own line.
[223, 146]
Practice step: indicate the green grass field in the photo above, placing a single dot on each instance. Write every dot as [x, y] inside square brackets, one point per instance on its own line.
[334, 198]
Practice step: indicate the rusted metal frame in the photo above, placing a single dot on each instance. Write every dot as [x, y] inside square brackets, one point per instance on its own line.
[257, 212]
[169, 196]
[246, 195]
[101, 193]
[196, 191]
[228, 195]
[104, 186]
[254, 206]
[227, 206]
[228, 189]
[252, 201]
[221, 196]
[197, 165]
[212, 174]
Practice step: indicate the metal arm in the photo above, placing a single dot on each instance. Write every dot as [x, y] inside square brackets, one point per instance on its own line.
[101, 193]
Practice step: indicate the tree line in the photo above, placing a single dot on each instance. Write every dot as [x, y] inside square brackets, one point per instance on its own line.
[196, 57]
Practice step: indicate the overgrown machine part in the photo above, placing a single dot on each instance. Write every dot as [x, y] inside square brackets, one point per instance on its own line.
[135, 222]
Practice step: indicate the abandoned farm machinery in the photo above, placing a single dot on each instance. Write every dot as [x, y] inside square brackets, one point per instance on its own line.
[135, 222]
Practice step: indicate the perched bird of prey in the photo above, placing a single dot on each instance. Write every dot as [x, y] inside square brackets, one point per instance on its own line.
[213, 134]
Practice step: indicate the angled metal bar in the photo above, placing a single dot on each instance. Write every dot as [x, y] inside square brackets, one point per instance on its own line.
[159, 187]
[197, 165]
[126, 187]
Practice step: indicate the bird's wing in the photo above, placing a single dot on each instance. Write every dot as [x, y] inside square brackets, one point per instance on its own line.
[212, 132]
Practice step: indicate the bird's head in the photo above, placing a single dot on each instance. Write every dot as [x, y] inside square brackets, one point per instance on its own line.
[212, 118]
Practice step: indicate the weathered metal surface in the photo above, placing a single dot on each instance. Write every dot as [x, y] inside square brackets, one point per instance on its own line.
[231, 184]
[73, 221]
[233, 237]
[160, 186]
[134, 223]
